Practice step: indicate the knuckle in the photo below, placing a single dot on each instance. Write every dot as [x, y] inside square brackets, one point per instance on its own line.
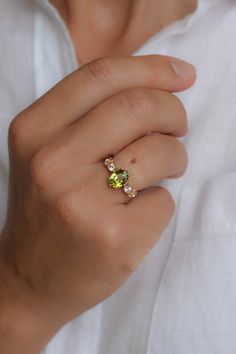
[65, 207]
[40, 167]
[181, 114]
[128, 266]
[108, 236]
[167, 200]
[102, 69]
[173, 103]
[182, 157]
[173, 156]
[16, 133]
[137, 101]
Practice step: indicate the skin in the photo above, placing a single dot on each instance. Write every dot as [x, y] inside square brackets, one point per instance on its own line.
[101, 28]
[69, 240]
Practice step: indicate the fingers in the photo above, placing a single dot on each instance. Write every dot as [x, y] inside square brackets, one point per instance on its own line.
[122, 119]
[147, 157]
[91, 84]
[149, 160]
[141, 223]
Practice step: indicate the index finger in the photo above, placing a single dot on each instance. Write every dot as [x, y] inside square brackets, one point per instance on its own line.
[84, 89]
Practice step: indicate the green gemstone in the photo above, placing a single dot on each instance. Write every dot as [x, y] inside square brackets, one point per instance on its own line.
[118, 179]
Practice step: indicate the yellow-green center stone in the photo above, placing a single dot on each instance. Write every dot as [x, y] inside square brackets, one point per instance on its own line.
[118, 179]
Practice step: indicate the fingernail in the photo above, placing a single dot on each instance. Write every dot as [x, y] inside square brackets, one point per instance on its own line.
[184, 70]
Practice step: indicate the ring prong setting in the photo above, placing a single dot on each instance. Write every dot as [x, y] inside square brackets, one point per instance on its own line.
[119, 178]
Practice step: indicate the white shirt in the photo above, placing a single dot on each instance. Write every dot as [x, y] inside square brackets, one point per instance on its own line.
[182, 298]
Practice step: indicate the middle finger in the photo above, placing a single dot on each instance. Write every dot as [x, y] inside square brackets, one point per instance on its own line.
[124, 118]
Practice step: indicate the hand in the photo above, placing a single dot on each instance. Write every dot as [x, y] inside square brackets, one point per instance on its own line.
[69, 240]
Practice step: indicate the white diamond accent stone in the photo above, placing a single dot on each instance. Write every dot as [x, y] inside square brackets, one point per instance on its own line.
[110, 164]
[133, 193]
[108, 161]
[111, 167]
[127, 188]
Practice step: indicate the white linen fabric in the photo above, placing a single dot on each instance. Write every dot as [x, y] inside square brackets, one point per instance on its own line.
[182, 298]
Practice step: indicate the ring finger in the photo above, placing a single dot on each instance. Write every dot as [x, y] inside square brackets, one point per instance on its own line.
[148, 160]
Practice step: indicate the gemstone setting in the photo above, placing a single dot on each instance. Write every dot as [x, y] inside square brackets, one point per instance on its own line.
[133, 193]
[118, 179]
[130, 190]
[127, 188]
[110, 164]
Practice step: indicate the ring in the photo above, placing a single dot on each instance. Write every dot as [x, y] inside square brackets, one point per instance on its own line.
[119, 178]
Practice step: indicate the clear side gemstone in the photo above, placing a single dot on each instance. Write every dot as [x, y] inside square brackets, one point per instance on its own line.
[108, 161]
[133, 193]
[111, 167]
[127, 188]
[110, 164]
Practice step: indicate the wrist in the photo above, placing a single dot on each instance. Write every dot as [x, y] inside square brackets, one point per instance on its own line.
[16, 336]
[23, 330]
